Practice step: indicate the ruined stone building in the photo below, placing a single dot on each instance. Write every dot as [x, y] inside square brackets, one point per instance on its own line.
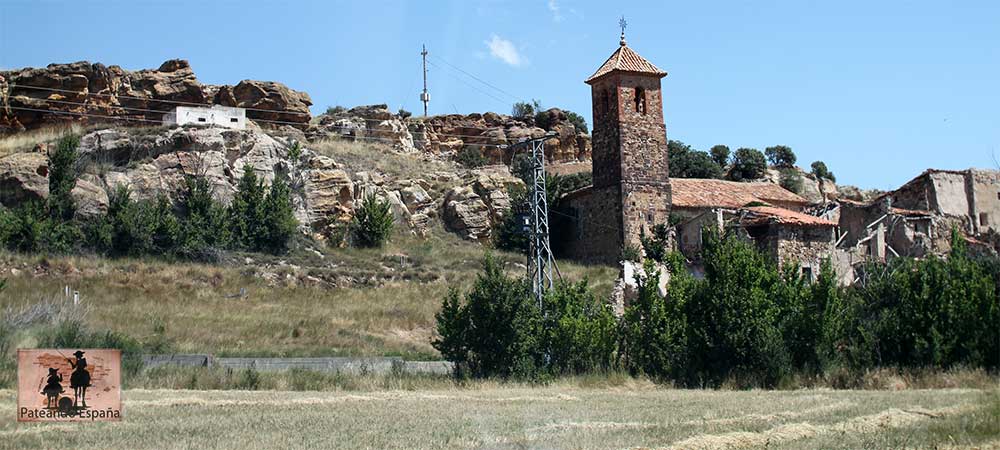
[916, 220]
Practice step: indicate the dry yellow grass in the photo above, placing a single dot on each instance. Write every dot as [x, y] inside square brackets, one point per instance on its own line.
[384, 308]
[488, 415]
[22, 142]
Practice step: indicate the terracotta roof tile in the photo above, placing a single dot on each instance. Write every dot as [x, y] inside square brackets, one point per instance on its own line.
[626, 60]
[760, 215]
[710, 193]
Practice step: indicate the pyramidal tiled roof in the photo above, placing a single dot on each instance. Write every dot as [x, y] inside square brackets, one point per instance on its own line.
[626, 60]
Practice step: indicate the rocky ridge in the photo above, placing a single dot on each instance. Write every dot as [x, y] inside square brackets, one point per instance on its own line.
[34, 97]
[446, 135]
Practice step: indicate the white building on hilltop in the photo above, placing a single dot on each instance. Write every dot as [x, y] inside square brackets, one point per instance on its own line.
[217, 115]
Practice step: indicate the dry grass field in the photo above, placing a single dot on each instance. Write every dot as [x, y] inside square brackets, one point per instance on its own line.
[634, 415]
[194, 306]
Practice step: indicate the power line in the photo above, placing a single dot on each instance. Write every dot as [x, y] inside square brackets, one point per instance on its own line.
[137, 119]
[472, 86]
[206, 104]
[130, 108]
[478, 79]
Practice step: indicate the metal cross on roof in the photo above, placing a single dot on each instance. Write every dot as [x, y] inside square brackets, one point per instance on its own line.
[622, 23]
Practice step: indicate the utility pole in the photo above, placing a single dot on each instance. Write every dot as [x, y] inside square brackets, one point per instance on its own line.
[424, 96]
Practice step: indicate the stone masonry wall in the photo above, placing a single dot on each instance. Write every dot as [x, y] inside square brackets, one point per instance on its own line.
[597, 235]
[806, 245]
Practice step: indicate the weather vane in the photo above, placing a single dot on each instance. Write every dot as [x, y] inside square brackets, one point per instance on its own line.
[622, 23]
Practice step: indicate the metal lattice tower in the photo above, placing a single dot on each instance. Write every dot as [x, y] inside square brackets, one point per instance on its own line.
[539, 252]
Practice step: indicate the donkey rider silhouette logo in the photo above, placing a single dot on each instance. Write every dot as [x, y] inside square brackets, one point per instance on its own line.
[68, 385]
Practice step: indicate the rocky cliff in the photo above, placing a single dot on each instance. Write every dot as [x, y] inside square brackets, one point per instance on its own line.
[80, 91]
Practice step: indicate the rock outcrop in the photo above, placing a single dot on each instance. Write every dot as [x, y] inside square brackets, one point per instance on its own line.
[82, 91]
[24, 177]
[446, 135]
[475, 207]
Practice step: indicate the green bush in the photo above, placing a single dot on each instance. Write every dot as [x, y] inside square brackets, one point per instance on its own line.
[525, 111]
[29, 229]
[509, 234]
[654, 329]
[939, 312]
[471, 157]
[373, 222]
[748, 164]
[580, 331]
[204, 227]
[790, 180]
[657, 245]
[499, 331]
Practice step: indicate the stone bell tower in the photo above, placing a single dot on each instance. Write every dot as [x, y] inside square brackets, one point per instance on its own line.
[630, 141]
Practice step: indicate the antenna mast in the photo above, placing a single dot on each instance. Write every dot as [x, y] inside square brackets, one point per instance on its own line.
[424, 96]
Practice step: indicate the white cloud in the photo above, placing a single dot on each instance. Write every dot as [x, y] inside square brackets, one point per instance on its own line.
[504, 50]
[554, 8]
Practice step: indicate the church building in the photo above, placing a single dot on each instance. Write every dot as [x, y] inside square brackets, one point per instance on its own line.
[631, 188]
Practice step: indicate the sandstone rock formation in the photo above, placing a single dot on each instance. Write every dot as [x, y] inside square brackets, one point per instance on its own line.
[24, 177]
[446, 135]
[72, 92]
[474, 208]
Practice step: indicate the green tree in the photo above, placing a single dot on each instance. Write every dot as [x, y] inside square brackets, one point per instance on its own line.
[686, 162]
[247, 212]
[62, 178]
[279, 217]
[780, 156]
[526, 111]
[748, 164]
[654, 328]
[579, 123]
[496, 331]
[820, 171]
[720, 154]
[373, 222]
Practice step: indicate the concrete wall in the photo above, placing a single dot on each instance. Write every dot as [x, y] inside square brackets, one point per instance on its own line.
[346, 365]
[949, 193]
[220, 116]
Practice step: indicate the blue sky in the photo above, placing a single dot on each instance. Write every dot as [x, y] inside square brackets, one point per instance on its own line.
[879, 90]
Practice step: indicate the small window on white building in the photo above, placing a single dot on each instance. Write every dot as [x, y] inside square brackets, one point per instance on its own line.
[201, 119]
[807, 273]
[234, 120]
[984, 219]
